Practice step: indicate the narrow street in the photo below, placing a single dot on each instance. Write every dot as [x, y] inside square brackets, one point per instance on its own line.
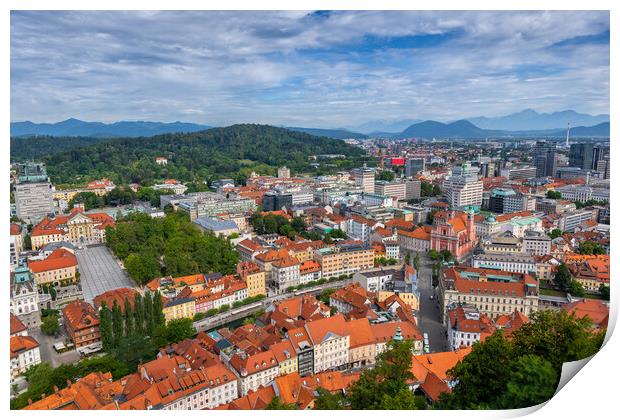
[429, 319]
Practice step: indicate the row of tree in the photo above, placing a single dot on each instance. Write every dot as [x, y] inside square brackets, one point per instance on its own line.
[143, 317]
[274, 223]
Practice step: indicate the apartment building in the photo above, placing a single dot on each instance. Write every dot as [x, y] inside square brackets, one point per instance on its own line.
[364, 179]
[518, 263]
[254, 370]
[254, 278]
[82, 324]
[24, 297]
[492, 292]
[24, 354]
[330, 339]
[345, 259]
[396, 189]
[536, 243]
[463, 187]
[285, 274]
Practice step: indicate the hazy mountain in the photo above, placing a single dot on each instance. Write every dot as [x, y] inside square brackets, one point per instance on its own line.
[384, 126]
[599, 130]
[529, 119]
[74, 127]
[334, 133]
[458, 129]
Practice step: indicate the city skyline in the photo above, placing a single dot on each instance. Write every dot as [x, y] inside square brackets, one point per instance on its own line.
[318, 69]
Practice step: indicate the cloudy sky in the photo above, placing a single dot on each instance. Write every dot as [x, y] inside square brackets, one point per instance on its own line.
[317, 69]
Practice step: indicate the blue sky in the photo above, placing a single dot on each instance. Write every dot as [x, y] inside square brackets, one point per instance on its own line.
[315, 69]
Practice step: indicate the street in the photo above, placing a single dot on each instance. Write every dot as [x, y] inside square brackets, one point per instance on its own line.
[429, 320]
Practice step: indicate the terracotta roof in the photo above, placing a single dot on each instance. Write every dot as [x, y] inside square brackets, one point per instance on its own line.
[436, 363]
[360, 333]
[16, 325]
[249, 365]
[15, 229]
[283, 351]
[596, 310]
[320, 329]
[385, 331]
[400, 224]
[22, 343]
[423, 233]
[117, 295]
[59, 258]
[80, 315]
[255, 400]
[285, 262]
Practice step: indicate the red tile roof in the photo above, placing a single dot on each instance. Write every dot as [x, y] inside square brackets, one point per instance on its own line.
[59, 258]
[16, 325]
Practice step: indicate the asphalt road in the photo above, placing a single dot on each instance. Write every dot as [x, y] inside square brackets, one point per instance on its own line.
[46, 349]
[100, 272]
[429, 318]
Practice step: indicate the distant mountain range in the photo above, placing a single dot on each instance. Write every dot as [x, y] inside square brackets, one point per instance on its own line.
[334, 133]
[74, 127]
[384, 126]
[464, 129]
[528, 119]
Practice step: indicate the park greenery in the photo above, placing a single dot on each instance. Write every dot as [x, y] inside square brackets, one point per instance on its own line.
[233, 152]
[268, 223]
[49, 324]
[382, 261]
[524, 369]
[556, 195]
[168, 246]
[386, 176]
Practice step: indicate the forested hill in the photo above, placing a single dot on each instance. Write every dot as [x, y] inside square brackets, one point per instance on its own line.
[24, 148]
[229, 151]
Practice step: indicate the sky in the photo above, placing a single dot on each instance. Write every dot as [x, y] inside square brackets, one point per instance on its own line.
[312, 69]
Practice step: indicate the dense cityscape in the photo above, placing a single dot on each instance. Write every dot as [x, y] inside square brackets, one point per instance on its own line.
[178, 266]
[254, 295]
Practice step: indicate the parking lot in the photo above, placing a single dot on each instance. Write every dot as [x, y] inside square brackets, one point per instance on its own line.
[100, 272]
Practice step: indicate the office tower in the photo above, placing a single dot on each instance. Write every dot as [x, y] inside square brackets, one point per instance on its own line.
[463, 187]
[414, 165]
[391, 189]
[413, 189]
[545, 158]
[33, 193]
[581, 155]
[365, 179]
[600, 160]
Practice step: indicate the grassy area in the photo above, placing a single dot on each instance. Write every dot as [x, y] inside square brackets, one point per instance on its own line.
[552, 292]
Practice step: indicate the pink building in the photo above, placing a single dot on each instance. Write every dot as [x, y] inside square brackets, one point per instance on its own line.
[454, 231]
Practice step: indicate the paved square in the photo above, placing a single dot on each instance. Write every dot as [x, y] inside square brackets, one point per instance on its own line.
[99, 271]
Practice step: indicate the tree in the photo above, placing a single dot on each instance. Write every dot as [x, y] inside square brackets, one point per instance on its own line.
[138, 314]
[142, 267]
[147, 305]
[482, 375]
[27, 242]
[555, 233]
[532, 382]
[384, 385]
[436, 190]
[135, 349]
[157, 319]
[416, 262]
[554, 195]
[326, 400]
[576, 289]
[557, 336]
[180, 329]
[105, 327]
[590, 248]
[117, 323]
[50, 326]
[604, 291]
[562, 277]
[277, 404]
[129, 318]
[433, 255]
[52, 292]
[386, 176]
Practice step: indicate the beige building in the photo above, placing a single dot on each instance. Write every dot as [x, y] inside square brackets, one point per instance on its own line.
[60, 266]
[345, 259]
[286, 356]
[492, 292]
[330, 337]
[254, 277]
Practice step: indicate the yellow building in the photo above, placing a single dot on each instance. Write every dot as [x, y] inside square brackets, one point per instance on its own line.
[286, 357]
[345, 259]
[182, 306]
[410, 299]
[254, 277]
[59, 266]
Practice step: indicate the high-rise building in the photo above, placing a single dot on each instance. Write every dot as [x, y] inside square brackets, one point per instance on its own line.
[545, 158]
[463, 187]
[524, 172]
[413, 189]
[505, 200]
[33, 193]
[581, 155]
[414, 165]
[365, 179]
[600, 161]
